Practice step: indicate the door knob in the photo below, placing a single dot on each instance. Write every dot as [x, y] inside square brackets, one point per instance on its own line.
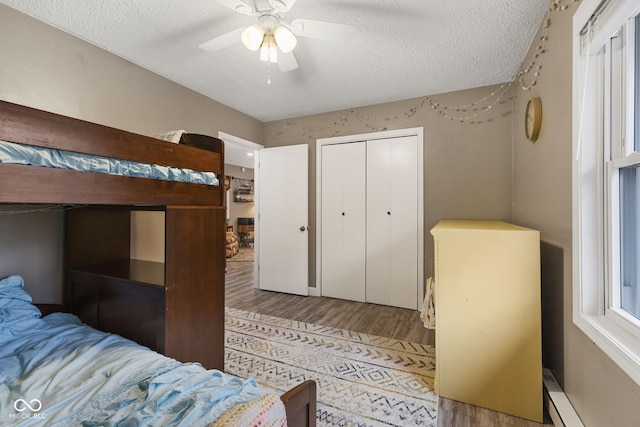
[302, 228]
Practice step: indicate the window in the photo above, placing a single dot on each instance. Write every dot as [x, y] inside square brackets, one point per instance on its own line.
[629, 190]
[629, 236]
[606, 178]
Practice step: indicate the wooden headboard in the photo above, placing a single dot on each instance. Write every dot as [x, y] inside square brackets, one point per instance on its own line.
[28, 184]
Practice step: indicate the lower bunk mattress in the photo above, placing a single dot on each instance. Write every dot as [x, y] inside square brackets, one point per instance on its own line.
[55, 370]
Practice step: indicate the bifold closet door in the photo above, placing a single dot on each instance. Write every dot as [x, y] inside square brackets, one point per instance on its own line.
[392, 222]
[343, 221]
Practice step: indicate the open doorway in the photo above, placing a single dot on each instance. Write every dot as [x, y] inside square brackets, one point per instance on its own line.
[240, 199]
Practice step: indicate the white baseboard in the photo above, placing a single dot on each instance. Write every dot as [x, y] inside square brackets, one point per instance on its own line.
[313, 292]
[560, 409]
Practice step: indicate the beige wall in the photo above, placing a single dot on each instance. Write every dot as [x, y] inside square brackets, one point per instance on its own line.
[147, 236]
[45, 68]
[48, 69]
[31, 246]
[467, 167]
[601, 393]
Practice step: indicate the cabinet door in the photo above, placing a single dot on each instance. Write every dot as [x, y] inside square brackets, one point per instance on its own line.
[343, 221]
[392, 222]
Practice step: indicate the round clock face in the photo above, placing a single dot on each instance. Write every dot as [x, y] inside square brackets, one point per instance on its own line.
[533, 119]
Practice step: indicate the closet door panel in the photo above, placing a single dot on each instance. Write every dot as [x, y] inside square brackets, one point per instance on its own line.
[354, 231]
[332, 222]
[343, 221]
[378, 221]
[404, 223]
[392, 215]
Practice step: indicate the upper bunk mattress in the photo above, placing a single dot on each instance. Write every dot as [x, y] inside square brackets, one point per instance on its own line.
[62, 159]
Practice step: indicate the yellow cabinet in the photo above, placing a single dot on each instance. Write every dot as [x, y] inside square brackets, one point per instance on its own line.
[488, 325]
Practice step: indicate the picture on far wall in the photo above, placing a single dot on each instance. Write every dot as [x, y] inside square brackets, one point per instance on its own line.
[242, 190]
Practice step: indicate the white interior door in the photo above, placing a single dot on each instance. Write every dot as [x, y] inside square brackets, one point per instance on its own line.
[404, 225]
[282, 219]
[343, 221]
[392, 222]
[378, 221]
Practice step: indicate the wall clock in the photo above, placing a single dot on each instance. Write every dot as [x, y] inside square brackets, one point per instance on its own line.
[533, 119]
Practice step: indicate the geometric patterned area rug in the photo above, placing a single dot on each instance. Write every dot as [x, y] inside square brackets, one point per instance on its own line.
[363, 380]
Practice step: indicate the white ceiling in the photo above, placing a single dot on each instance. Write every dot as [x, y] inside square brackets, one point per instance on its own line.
[239, 155]
[402, 48]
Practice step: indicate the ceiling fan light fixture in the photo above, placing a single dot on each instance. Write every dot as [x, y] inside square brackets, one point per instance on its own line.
[285, 39]
[268, 49]
[252, 37]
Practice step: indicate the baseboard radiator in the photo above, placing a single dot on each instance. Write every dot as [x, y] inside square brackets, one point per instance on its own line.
[557, 404]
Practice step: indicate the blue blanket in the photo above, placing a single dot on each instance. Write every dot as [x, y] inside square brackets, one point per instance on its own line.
[48, 157]
[64, 373]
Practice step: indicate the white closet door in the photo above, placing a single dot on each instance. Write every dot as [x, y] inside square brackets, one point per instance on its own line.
[378, 221]
[392, 222]
[404, 226]
[343, 221]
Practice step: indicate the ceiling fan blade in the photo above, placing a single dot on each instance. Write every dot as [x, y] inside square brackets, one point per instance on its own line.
[222, 41]
[322, 30]
[237, 6]
[282, 6]
[287, 61]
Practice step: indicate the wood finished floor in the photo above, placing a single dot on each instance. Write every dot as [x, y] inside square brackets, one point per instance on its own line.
[371, 319]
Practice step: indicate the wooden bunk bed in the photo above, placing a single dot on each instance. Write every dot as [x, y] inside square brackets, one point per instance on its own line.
[175, 307]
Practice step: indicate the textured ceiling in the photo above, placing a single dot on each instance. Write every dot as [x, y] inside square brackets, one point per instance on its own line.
[402, 48]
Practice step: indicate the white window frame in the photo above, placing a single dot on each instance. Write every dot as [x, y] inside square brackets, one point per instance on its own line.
[596, 254]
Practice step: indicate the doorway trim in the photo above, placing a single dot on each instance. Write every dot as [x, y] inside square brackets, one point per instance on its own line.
[245, 143]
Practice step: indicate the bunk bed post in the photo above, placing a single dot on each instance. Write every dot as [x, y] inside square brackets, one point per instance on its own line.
[195, 263]
[209, 143]
[300, 404]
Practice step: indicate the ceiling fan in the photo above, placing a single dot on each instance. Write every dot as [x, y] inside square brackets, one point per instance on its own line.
[272, 34]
